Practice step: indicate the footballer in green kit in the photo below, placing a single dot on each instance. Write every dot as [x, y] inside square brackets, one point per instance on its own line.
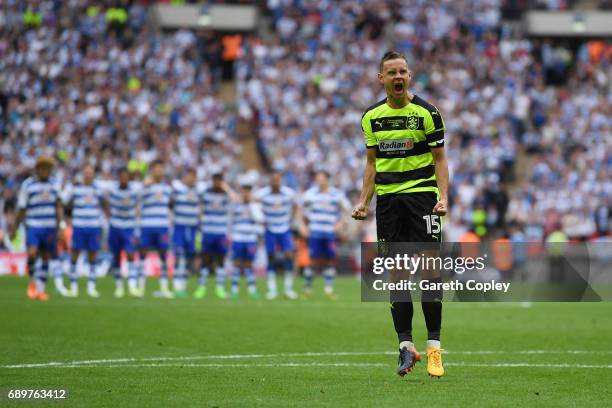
[407, 168]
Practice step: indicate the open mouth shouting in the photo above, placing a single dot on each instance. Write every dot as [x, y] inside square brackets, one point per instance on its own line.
[398, 88]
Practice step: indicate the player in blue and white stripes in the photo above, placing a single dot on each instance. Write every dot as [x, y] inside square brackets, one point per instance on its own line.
[85, 198]
[325, 208]
[247, 219]
[122, 201]
[216, 202]
[39, 205]
[186, 221]
[155, 204]
[279, 207]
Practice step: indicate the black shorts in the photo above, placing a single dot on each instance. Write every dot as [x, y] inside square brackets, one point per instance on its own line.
[408, 218]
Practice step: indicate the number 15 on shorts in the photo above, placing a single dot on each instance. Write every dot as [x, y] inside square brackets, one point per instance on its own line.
[433, 224]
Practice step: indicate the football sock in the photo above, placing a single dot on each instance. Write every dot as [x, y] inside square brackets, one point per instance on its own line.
[116, 265]
[203, 280]
[41, 278]
[408, 344]
[433, 319]
[58, 275]
[432, 309]
[250, 275]
[163, 273]
[180, 275]
[73, 275]
[272, 280]
[220, 276]
[308, 275]
[433, 343]
[31, 266]
[289, 280]
[236, 280]
[91, 278]
[119, 283]
[402, 319]
[132, 276]
[288, 274]
[329, 274]
[142, 278]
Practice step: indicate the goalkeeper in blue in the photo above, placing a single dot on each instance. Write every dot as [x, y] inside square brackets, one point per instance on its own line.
[279, 207]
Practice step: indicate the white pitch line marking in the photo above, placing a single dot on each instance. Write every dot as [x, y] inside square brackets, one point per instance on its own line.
[93, 363]
[280, 365]
[231, 365]
[543, 365]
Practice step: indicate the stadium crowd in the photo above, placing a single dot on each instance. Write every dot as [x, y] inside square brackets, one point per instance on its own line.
[92, 82]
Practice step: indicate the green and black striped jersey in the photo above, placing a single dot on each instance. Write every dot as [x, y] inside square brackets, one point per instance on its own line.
[403, 139]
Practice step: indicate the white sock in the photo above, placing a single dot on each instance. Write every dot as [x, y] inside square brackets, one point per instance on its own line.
[329, 275]
[271, 281]
[91, 277]
[163, 284]
[132, 276]
[408, 344]
[91, 286]
[288, 281]
[433, 343]
[142, 274]
[119, 283]
[58, 275]
[40, 286]
[220, 277]
[308, 277]
[179, 274]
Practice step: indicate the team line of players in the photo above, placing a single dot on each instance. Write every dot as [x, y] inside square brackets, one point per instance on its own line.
[158, 216]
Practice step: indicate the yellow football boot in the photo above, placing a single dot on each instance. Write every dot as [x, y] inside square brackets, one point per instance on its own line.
[434, 362]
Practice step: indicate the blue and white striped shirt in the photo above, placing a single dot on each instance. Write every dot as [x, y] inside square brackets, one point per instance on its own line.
[246, 222]
[324, 210]
[216, 212]
[86, 205]
[186, 204]
[155, 205]
[39, 200]
[277, 208]
[123, 207]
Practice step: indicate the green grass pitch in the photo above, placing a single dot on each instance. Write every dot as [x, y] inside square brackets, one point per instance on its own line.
[211, 353]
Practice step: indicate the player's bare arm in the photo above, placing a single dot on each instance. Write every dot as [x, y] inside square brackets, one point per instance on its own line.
[441, 169]
[231, 193]
[106, 206]
[302, 223]
[340, 227]
[360, 212]
[19, 219]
